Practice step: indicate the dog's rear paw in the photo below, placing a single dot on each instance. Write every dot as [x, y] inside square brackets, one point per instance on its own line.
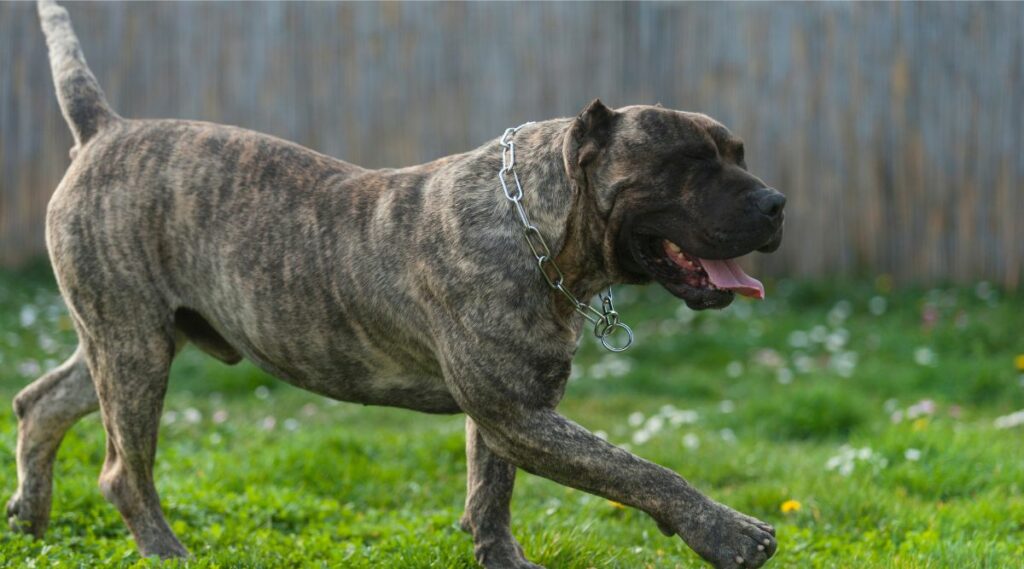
[21, 519]
[501, 552]
[519, 562]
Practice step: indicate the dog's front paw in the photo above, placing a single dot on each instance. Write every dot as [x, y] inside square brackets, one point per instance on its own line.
[726, 538]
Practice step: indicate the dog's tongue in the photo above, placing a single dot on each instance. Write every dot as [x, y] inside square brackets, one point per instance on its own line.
[728, 275]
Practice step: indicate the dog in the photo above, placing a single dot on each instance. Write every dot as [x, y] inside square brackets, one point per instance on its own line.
[410, 287]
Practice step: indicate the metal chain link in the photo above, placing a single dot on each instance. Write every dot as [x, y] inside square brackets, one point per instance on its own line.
[606, 320]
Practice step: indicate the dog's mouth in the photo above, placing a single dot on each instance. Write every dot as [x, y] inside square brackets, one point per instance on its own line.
[702, 283]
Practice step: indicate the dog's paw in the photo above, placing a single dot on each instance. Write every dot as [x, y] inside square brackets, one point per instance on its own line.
[21, 519]
[726, 538]
[510, 562]
[501, 552]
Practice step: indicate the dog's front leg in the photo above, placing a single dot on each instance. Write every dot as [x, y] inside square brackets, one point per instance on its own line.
[510, 403]
[489, 482]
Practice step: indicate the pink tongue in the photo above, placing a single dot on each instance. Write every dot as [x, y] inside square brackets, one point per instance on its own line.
[728, 275]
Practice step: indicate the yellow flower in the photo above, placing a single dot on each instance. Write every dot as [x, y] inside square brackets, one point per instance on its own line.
[790, 506]
[617, 505]
[1019, 362]
[920, 424]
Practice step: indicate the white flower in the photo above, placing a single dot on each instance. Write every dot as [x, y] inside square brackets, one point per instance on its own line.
[734, 369]
[845, 462]
[1010, 421]
[576, 372]
[262, 392]
[683, 417]
[691, 441]
[839, 313]
[169, 417]
[768, 358]
[726, 406]
[922, 407]
[192, 415]
[48, 344]
[29, 368]
[844, 363]
[28, 315]
[798, 339]
[268, 423]
[803, 363]
[654, 424]
[219, 416]
[924, 356]
[877, 305]
[601, 435]
[636, 419]
[784, 375]
[819, 333]
[727, 435]
[836, 340]
[291, 424]
[640, 437]
[912, 454]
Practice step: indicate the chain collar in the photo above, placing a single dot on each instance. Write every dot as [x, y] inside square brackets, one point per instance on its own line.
[606, 320]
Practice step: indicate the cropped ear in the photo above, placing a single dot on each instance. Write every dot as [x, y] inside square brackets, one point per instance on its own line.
[588, 136]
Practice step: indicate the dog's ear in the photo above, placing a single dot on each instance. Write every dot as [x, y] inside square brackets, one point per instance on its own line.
[588, 136]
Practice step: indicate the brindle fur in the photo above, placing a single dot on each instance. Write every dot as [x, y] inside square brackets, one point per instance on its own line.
[408, 287]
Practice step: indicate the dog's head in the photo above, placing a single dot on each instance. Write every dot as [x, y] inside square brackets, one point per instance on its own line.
[678, 200]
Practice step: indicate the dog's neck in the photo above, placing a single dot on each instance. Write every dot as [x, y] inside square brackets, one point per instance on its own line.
[566, 213]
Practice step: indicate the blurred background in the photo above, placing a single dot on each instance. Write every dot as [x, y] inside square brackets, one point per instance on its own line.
[871, 408]
[894, 129]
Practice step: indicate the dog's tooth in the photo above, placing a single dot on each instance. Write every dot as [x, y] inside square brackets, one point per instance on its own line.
[673, 247]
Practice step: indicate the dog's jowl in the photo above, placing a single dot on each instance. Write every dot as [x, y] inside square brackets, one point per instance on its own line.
[410, 288]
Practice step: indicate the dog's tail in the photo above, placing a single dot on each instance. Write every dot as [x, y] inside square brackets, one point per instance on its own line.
[79, 94]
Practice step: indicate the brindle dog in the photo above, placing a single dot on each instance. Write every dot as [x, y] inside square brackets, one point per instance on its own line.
[409, 287]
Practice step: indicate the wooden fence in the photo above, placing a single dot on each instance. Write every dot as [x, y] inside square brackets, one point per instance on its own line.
[895, 129]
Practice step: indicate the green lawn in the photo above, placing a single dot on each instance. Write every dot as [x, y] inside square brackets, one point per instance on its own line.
[878, 411]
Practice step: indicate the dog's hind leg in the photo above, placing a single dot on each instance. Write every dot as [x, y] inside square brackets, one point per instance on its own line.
[129, 364]
[488, 492]
[46, 409]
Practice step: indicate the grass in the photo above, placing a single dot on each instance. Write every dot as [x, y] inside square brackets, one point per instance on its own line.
[875, 410]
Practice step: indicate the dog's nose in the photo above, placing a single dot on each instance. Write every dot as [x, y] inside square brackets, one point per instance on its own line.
[771, 203]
